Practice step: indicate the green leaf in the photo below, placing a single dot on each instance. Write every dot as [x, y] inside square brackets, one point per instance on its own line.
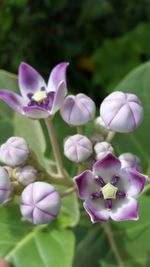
[137, 82]
[34, 246]
[70, 214]
[31, 131]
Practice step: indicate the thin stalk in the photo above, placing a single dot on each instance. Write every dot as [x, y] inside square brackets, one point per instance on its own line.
[68, 192]
[112, 243]
[80, 129]
[110, 136]
[56, 152]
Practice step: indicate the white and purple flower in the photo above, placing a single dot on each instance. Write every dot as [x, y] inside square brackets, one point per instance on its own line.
[108, 190]
[37, 99]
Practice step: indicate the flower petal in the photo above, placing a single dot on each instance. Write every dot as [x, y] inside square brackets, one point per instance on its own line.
[107, 167]
[86, 184]
[58, 98]
[36, 112]
[57, 75]
[132, 181]
[124, 210]
[30, 81]
[15, 101]
[96, 210]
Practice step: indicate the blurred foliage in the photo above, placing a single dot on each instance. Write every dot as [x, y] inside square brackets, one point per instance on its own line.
[91, 34]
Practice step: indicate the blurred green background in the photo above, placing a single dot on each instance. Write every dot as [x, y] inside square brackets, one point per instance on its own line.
[102, 39]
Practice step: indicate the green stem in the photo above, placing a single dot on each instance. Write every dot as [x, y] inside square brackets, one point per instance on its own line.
[112, 243]
[68, 192]
[110, 136]
[55, 147]
[80, 129]
[57, 181]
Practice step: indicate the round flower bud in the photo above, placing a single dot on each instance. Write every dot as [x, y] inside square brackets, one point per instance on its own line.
[14, 151]
[78, 110]
[121, 112]
[77, 148]
[129, 160]
[100, 126]
[102, 148]
[40, 203]
[5, 186]
[25, 175]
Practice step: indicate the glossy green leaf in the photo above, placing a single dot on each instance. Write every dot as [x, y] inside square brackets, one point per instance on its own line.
[34, 246]
[31, 130]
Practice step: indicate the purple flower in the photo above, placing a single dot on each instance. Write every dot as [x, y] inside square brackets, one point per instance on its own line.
[108, 190]
[37, 99]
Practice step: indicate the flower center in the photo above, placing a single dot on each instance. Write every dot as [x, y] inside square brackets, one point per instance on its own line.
[40, 96]
[109, 191]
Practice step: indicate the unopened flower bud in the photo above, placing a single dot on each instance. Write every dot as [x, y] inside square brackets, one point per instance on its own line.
[14, 151]
[40, 203]
[78, 110]
[121, 112]
[77, 148]
[129, 160]
[5, 186]
[100, 126]
[25, 175]
[102, 148]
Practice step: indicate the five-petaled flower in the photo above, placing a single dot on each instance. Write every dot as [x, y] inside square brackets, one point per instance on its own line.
[108, 190]
[38, 100]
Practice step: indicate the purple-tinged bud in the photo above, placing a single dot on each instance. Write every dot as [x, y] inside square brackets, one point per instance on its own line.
[25, 175]
[121, 112]
[40, 203]
[77, 148]
[102, 148]
[5, 186]
[14, 151]
[78, 110]
[129, 160]
[100, 126]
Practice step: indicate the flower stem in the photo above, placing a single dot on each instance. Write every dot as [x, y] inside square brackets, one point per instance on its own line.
[80, 129]
[68, 192]
[110, 136]
[112, 243]
[55, 147]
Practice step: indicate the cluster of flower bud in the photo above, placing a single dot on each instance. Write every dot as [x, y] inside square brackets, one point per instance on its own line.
[39, 201]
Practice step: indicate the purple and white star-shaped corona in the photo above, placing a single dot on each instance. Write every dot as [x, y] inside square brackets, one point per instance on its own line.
[108, 190]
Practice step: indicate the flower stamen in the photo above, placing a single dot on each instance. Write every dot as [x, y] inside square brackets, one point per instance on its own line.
[40, 96]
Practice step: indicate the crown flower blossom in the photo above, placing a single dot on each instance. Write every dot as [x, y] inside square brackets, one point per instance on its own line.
[121, 112]
[78, 109]
[37, 99]
[108, 190]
